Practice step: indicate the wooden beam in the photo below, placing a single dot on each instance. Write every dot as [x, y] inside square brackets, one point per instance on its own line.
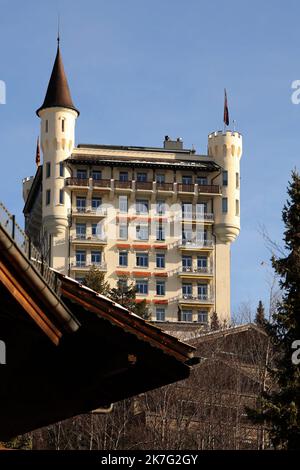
[29, 305]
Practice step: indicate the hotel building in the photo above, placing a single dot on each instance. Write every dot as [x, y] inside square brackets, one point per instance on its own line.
[162, 218]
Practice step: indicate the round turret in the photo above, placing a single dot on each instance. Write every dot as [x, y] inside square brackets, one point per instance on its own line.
[58, 117]
[226, 149]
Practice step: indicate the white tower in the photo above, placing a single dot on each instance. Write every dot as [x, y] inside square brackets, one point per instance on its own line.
[58, 116]
[226, 150]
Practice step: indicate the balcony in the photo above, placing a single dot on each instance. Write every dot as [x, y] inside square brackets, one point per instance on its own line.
[123, 184]
[144, 185]
[83, 239]
[199, 299]
[200, 188]
[195, 244]
[85, 211]
[101, 184]
[84, 266]
[195, 272]
[199, 217]
[165, 187]
[78, 182]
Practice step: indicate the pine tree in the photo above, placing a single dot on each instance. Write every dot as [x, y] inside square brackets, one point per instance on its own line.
[95, 279]
[214, 322]
[280, 408]
[260, 314]
[125, 295]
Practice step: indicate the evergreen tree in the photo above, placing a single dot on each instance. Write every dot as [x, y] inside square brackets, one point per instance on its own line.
[260, 314]
[125, 295]
[95, 279]
[280, 408]
[214, 322]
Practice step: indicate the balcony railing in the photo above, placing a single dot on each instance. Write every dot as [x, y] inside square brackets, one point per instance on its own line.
[143, 185]
[202, 188]
[192, 270]
[93, 238]
[195, 243]
[146, 185]
[164, 186]
[101, 183]
[85, 210]
[122, 184]
[77, 181]
[200, 216]
[85, 265]
[196, 299]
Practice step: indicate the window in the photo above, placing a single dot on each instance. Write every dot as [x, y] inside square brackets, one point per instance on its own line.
[201, 235]
[80, 258]
[141, 206]
[160, 178]
[160, 207]
[160, 232]
[94, 230]
[160, 260]
[142, 260]
[48, 169]
[201, 262]
[123, 258]
[186, 315]
[187, 290]
[81, 174]
[225, 178]
[187, 235]
[61, 169]
[187, 210]
[201, 209]
[96, 202]
[80, 279]
[224, 205]
[187, 263]
[202, 291]
[80, 204]
[96, 175]
[63, 125]
[142, 286]
[123, 231]
[81, 231]
[237, 180]
[186, 179]
[61, 196]
[123, 204]
[237, 207]
[142, 177]
[142, 232]
[123, 175]
[160, 288]
[96, 257]
[202, 180]
[202, 316]
[46, 126]
[48, 197]
[160, 314]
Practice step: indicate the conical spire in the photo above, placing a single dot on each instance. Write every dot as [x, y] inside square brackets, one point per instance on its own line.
[58, 92]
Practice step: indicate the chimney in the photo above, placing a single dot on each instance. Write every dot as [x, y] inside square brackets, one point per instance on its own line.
[170, 144]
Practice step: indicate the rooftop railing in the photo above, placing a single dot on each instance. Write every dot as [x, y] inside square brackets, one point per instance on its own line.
[24, 243]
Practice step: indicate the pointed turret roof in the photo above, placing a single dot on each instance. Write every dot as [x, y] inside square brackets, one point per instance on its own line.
[58, 92]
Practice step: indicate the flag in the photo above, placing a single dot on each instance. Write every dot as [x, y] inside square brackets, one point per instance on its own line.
[226, 113]
[37, 154]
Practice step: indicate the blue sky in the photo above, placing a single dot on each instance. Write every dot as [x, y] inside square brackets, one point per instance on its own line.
[141, 69]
